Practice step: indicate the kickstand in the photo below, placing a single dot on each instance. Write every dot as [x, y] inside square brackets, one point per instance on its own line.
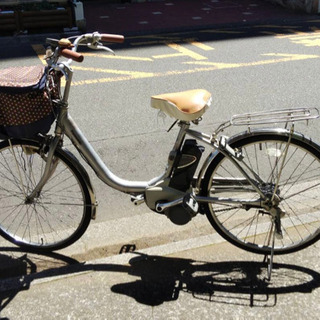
[268, 259]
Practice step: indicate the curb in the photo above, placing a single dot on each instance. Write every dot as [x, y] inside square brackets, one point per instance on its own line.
[69, 271]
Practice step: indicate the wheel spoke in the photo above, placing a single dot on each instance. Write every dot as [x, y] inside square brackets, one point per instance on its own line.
[54, 219]
[294, 179]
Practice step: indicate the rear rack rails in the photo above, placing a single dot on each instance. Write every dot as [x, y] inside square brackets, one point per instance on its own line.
[275, 116]
[270, 117]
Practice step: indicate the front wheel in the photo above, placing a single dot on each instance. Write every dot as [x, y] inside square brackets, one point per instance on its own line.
[59, 215]
[298, 191]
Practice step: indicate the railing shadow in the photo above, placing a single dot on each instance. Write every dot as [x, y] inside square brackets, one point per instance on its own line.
[163, 279]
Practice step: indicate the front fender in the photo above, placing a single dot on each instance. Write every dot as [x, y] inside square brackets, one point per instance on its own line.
[85, 176]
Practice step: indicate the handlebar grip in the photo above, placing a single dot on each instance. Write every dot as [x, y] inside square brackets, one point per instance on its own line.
[75, 56]
[117, 38]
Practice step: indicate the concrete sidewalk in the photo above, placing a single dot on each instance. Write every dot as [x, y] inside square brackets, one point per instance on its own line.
[215, 281]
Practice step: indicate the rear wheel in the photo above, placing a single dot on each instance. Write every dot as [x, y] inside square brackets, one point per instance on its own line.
[251, 228]
[62, 211]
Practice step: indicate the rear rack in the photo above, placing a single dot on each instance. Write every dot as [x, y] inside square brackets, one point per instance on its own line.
[274, 116]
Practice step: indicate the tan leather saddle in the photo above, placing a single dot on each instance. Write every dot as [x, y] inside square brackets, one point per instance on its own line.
[185, 105]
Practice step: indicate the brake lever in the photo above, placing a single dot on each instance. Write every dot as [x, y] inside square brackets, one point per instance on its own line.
[105, 49]
[98, 46]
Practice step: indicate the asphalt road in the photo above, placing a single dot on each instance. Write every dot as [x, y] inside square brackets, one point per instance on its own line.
[247, 69]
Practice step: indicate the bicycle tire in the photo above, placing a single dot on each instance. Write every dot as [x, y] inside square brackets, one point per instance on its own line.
[59, 215]
[252, 229]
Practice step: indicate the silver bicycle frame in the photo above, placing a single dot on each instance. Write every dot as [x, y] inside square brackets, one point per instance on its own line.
[89, 154]
[66, 125]
[73, 132]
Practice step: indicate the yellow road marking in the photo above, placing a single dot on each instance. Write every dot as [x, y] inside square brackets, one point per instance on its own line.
[186, 51]
[206, 67]
[182, 52]
[109, 56]
[308, 42]
[298, 35]
[165, 41]
[40, 51]
[126, 75]
[301, 36]
[306, 39]
[201, 45]
[169, 55]
[286, 58]
[134, 74]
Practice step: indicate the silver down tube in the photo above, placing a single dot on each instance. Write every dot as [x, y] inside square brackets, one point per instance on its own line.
[96, 163]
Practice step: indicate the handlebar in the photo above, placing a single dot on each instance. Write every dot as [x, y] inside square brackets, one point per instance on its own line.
[68, 49]
[116, 38]
[75, 56]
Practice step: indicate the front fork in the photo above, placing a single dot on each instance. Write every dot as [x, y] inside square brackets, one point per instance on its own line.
[50, 167]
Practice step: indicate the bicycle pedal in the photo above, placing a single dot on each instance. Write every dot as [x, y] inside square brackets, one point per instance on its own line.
[137, 200]
[190, 204]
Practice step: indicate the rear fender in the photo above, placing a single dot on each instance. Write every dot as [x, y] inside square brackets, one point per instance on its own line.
[212, 156]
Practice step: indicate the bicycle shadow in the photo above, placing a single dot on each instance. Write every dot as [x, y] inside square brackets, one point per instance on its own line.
[163, 279]
[19, 268]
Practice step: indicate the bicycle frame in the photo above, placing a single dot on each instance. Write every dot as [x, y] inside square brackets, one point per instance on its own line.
[255, 187]
[102, 171]
[66, 125]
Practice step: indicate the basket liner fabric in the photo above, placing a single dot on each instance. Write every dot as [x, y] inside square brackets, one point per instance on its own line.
[26, 106]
